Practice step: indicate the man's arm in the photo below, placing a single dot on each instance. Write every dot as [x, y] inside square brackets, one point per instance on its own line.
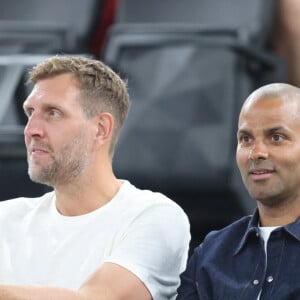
[188, 288]
[110, 282]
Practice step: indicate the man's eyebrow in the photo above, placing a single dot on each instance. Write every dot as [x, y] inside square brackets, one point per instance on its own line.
[274, 129]
[44, 105]
[243, 131]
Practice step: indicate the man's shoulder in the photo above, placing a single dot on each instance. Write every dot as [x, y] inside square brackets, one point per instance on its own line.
[147, 198]
[239, 225]
[22, 204]
[229, 235]
[153, 206]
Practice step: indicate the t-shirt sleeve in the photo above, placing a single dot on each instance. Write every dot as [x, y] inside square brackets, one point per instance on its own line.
[154, 247]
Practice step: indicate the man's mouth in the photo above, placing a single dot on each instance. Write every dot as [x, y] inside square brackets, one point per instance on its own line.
[260, 174]
[38, 151]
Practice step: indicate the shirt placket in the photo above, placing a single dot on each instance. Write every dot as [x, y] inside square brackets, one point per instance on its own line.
[275, 250]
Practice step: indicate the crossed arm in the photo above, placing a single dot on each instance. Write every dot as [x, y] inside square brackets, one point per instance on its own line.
[110, 282]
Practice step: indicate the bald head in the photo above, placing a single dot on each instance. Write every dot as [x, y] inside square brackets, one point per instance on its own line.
[282, 91]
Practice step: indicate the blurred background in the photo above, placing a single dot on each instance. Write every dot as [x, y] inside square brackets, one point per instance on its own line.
[189, 66]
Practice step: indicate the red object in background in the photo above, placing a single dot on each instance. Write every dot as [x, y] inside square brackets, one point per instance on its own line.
[107, 18]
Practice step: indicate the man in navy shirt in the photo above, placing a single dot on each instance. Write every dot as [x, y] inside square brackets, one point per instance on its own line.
[258, 257]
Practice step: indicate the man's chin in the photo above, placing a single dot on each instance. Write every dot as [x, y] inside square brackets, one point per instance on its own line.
[266, 199]
[37, 178]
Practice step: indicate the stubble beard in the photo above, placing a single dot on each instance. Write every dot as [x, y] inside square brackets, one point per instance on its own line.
[64, 167]
[271, 196]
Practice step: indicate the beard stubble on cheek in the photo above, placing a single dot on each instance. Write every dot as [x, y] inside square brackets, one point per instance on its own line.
[271, 192]
[64, 166]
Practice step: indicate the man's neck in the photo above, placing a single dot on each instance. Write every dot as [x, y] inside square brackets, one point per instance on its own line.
[85, 196]
[277, 215]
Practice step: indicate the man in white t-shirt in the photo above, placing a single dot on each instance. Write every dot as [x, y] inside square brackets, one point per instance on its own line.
[95, 236]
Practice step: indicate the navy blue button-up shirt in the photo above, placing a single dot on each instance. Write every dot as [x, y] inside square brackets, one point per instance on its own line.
[231, 264]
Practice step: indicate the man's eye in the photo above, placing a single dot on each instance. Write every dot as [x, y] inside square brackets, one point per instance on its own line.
[277, 137]
[245, 138]
[54, 113]
[28, 112]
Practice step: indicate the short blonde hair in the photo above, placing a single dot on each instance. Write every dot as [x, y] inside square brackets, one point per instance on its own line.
[101, 88]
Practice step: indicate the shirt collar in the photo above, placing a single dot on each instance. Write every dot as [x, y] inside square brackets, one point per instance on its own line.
[252, 229]
[294, 229]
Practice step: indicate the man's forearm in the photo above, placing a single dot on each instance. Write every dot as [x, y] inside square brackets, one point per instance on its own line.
[99, 286]
[13, 292]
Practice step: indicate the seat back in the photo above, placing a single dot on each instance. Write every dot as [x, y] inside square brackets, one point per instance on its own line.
[48, 26]
[250, 17]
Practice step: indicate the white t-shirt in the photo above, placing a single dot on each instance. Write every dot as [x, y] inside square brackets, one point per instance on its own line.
[144, 232]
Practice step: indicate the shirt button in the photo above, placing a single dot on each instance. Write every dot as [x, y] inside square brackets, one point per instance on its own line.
[255, 282]
[270, 278]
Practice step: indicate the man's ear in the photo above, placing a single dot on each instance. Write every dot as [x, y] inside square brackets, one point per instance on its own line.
[105, 126]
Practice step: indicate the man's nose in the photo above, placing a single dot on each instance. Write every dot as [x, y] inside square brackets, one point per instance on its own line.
[258, 151]
[33, 127]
